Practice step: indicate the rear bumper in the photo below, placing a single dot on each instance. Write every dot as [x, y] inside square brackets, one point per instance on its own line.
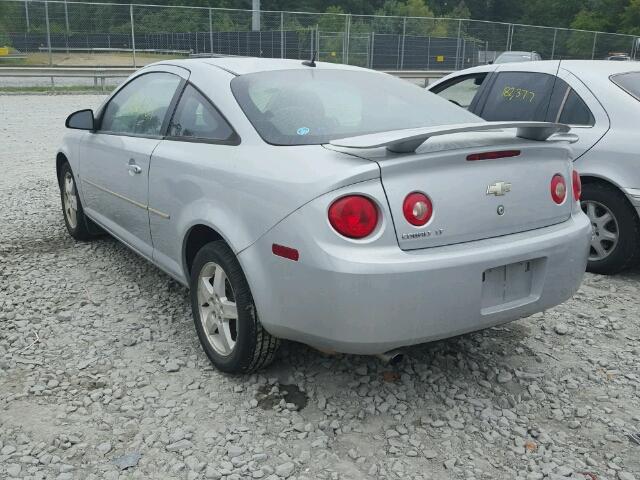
[338, 299]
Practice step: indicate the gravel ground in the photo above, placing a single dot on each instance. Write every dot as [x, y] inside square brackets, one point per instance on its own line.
[101, 375]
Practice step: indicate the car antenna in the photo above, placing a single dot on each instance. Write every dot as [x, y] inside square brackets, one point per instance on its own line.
[312, 62]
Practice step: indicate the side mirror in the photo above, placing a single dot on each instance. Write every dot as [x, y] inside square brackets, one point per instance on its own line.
[490, 62]
[81, 120]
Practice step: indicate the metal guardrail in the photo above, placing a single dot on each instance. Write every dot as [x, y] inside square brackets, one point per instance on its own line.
[100, 74]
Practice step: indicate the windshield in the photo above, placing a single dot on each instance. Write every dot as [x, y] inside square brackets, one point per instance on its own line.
[315, 106]
[629, 82]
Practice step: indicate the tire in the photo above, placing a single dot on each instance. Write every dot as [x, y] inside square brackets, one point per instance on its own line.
[78, 225]
[598, 200]
[239, 345]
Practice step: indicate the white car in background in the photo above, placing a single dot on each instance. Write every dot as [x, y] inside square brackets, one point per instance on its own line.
[601, 101]
[514, 57]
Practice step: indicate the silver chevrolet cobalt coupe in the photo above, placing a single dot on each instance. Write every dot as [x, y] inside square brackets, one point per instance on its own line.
[325, 204]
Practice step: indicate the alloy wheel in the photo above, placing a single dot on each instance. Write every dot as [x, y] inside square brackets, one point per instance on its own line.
[70, 200]
[604, 230]
[217, 308]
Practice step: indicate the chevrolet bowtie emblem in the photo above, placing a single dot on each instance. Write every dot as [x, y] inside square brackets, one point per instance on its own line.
[498, 188]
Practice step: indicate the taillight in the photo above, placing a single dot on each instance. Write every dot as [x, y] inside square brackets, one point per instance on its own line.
[558, 188]
[354, 216]
[417, 209]
[577, 185]
[493, 155]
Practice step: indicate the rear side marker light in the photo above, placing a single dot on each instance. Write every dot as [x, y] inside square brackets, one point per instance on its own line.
[558, 188]
[493, 155]
[285, 252]
[577, 185]
[417, 209]
[354, 216]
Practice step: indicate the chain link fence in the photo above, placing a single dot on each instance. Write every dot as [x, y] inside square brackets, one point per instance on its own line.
[108, 34]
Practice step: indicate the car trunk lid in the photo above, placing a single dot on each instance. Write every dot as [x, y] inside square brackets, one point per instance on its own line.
[472, 199]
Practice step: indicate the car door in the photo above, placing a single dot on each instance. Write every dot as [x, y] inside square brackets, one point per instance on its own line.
[196, 159]
[462, 90]
[115, 159]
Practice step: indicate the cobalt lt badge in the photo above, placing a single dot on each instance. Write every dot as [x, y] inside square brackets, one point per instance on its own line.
[500, 210]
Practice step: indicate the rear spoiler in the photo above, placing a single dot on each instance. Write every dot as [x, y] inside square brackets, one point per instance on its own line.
[405, 141]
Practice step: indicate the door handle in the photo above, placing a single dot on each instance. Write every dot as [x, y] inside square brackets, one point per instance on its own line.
[133, 168]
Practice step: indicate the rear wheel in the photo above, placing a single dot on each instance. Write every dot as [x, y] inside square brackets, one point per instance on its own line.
[615, 229]
[225, 315]
[74, 218]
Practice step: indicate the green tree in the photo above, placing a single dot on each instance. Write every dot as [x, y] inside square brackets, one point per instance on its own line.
[459, 11]
[630, 18]
[589, 20]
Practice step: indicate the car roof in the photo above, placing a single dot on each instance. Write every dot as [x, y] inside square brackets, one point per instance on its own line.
[596, 73]
[599, 67]
[581, 68]
[246, 65]
[516, 52]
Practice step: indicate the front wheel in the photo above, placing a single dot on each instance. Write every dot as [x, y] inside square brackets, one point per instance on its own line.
[74, 218]
[615, 229]
[225, 315]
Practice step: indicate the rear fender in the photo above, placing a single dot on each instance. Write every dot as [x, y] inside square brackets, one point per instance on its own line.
[614, 164]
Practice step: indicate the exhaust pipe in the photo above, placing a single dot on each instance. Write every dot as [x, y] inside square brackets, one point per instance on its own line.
[392, 357]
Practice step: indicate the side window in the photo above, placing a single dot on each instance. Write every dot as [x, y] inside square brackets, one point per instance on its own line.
[196, 118]
[519, 96]
[461, 91]
[141, 106]
[566, 106]
[575, 111]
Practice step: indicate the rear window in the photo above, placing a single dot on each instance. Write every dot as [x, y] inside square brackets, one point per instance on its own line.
[314, 106]
[629, 82]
